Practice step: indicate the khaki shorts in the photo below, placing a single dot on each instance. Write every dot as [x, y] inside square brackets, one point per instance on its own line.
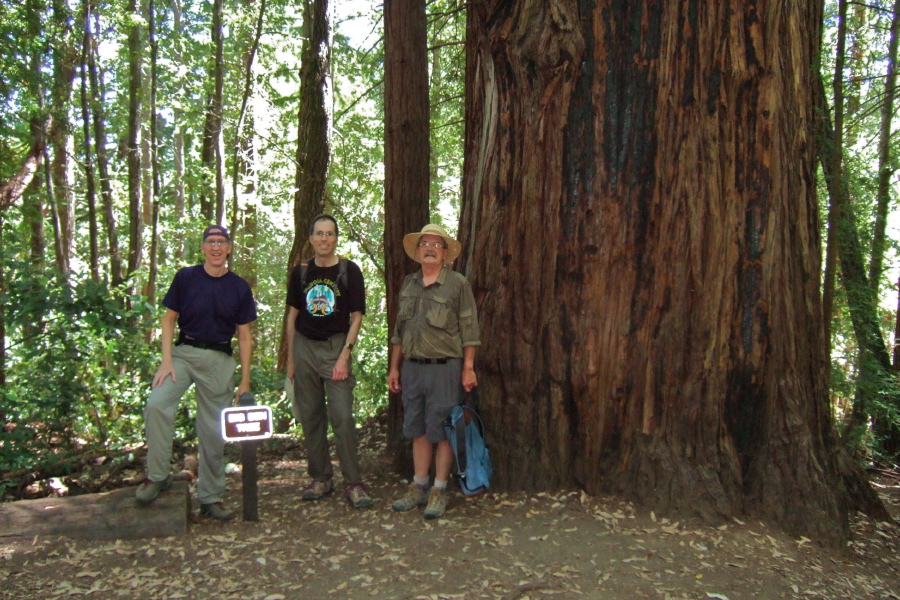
[429, 394]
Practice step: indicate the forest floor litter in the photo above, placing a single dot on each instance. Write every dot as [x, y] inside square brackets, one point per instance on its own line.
[497, 546]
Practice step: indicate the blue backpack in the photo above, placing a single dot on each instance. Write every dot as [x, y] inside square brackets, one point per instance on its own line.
[465, 430]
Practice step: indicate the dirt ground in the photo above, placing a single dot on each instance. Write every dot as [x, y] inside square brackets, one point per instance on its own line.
[496, 546]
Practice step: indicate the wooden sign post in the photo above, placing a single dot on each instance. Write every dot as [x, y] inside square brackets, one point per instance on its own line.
[247, 424]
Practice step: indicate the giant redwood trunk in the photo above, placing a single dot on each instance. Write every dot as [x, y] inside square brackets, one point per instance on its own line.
[640, 227]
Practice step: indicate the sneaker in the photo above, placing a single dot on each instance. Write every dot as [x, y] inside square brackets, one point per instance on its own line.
[149, 490]
[437, 503]
[356, 494]
[216, 511]
[416, 495]
[316, 490]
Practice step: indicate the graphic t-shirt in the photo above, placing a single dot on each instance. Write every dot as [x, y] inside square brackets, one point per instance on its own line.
[323, 306]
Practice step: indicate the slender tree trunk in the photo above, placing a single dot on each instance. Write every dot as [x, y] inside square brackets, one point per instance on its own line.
[873, 380]
[3, 294]
[65, 57]
[830, 271]
[640, 221]
[98, 90]
[60, 259]
[33, 209]
[133, 144]
[154, 157]
[243, 138]
[896, 363]
[885, 160]
[12, 191]
[178, 138]
[244, 213]
[407, 151]
[90, 182]
[313, 148]
[216, 108]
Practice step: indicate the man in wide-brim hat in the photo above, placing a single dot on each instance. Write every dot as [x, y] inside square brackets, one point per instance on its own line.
[433, 345]
[411, 243]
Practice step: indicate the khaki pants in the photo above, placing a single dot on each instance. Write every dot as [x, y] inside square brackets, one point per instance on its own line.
[213, 373]
[313, 364]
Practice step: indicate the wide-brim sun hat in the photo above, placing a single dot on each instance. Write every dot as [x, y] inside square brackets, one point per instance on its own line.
[411, 242]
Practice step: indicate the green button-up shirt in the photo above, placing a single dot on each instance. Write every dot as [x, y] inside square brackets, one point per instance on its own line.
[436, 321]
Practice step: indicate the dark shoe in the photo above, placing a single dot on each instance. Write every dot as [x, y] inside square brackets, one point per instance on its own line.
[437, 503]
[316, 490]
[149, 490]
[216, 511]
[416, 495]
[356, 494]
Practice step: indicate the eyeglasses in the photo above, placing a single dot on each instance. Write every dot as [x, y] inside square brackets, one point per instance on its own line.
[216, 244]
[323, 234]
[437, 245]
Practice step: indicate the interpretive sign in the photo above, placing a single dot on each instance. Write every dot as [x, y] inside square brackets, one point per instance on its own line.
[242, 423]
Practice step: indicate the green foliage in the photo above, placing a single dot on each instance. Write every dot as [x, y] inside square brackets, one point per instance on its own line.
[76, 366]
[857, 378]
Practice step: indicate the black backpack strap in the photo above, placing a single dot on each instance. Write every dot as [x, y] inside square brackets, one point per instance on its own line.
[342, 273]
[304, 267]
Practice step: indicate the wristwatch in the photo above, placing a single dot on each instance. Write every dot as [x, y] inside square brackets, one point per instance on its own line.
[349, 347]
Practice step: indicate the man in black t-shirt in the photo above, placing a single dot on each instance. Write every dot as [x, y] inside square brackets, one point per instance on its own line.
[326, 302]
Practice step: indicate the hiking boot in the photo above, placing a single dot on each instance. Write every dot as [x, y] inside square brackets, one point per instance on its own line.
[416, 495]
[149, 490]
[216, 511]
[316, 490]
[437, 503]
[357, 496]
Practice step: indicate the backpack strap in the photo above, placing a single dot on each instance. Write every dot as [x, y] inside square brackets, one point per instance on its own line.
[342, 271]
[304, 267]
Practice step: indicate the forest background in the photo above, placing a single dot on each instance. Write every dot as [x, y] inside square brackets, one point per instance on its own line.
[128, 127]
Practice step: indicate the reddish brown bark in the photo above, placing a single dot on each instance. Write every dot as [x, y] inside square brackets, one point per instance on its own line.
[641, 228]
[406, 156]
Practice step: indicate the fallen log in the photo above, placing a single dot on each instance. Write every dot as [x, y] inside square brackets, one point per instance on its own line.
[106, 516]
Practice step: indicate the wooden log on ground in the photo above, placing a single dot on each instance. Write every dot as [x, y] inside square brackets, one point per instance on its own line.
[107, 516]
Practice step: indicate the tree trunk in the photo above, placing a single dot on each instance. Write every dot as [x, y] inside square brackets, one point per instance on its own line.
[154, 157]
[835, 137]
[896, 353]
[178, 137]
[98, 92]
[133, 144]
[11, 191]
[216, 108]
[313, 147]
[65, 57]
[407, 148]
[640, 221]
[885, 160]
[873, 380]
[244, 214]
[90, 183]
[208, 157]
[60, 259]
